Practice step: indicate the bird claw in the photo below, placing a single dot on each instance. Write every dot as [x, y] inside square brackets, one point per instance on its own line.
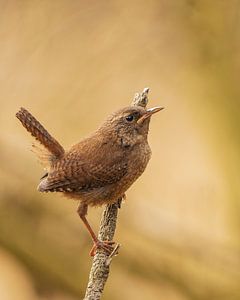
[107, 246]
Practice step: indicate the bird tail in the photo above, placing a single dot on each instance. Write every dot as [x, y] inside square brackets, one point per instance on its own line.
[54, 149]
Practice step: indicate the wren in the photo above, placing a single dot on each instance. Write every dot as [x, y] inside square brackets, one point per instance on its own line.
[101, 167]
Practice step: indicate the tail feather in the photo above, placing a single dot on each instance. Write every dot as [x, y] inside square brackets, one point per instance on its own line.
[40, 133]
[44, 156]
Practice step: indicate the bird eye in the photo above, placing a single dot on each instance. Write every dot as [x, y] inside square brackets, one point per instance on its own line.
[129, 118]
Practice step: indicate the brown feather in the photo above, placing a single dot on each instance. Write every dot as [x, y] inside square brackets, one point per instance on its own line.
[40, 134]
[100, 168]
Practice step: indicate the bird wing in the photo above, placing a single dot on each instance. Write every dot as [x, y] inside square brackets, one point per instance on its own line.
[84, 171]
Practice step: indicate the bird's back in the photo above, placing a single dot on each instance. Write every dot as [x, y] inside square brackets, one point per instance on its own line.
[97, 170]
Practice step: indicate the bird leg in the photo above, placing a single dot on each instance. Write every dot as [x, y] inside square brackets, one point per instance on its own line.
[97, 244]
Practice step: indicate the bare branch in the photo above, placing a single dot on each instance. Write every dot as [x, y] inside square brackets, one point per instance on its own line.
[101, 261]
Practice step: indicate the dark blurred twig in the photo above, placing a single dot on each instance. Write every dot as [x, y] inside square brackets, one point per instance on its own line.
[101, 261]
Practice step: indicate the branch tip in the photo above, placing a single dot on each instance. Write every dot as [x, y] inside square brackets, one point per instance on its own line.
[141, 99]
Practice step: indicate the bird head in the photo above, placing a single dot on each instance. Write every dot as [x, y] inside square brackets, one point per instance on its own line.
[130, 123]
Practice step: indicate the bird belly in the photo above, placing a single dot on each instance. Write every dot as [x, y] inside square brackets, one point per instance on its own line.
[110, 193]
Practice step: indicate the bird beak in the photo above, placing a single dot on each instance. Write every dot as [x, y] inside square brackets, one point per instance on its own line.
[148, 114]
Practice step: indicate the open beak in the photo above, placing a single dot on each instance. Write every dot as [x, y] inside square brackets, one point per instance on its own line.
[148, 114]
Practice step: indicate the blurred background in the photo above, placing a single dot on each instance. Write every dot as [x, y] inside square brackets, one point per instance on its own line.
[71, 63]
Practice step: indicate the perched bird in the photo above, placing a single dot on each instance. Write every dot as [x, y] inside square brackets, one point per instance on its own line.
[101, 167]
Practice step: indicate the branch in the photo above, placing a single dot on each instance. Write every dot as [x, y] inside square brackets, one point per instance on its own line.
[101, 261]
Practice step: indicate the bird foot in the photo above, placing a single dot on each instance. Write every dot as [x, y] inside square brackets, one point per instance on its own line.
[107, 246]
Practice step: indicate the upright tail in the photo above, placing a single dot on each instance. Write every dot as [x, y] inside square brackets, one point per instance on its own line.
[40, 133]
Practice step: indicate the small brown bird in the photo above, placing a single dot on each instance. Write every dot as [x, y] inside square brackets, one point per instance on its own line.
[100, 168]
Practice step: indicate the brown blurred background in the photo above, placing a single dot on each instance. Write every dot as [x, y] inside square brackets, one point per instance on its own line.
[73, 62]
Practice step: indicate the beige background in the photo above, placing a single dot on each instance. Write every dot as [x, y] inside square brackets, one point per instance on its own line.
[73, 62]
